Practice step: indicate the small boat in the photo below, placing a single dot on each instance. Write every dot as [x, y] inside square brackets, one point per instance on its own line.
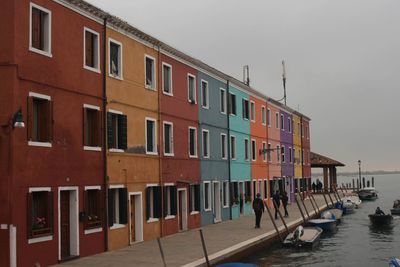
[334, 214]
[356, 200]
[394, 262]
[303, 237]
[368, 193]
[396, 207]
[328, 225]
[380, 220]
[348, 206]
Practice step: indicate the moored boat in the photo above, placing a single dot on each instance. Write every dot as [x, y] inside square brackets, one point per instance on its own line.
[348, 206]
[335, 214]
[380, 219]
[368, 193]
[303, 237]
[328, 225]
[396, 207]
[394, 262]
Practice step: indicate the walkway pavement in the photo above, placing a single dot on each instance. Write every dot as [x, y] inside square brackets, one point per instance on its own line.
[223, 240]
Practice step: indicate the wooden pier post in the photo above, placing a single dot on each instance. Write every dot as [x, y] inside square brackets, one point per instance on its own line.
[280, 215]
[298, 205]
[161, 251]
[273, 222]
[326, 201]
[312, 204]
[203, 243]
[305, 208]
[329, 195]
[353, 185]
[319, 211]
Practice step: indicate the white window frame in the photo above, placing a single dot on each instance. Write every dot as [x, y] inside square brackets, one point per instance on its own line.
[289, 125]
[153, 86]
[46, 52]
[269, 117]
[151, 205]
[282, 121]
[37, 143]
[224, 144]
[264, 148]
[207, 106]
[252, 111]
[277, 118]
[116, 150]
[248, 109]
[223, 101]
[97, 46]
[246, 149]
[253, 150]
[232, 144]
[263, 116]
[225, 188]
[195, 142]
[209, 195]
[269, 147]
[189, 75]
[169, 207]
[155, 135]
[120, 57]
[171, 142]
[229, 100]
[171, 93]
[283, 155]
[208, 143]
[116, 224]
[278, 153]
[92, 148]
[290, 153]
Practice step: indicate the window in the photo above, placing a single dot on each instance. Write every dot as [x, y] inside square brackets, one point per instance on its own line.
[153, 203]
[204, 94]
[252, 111]
[232, 104]
[224, 146]
[289, 125]
[307, 132]
[115, 60]
[117, 130]
[168, 139]
[302, 130]
[167, 78]
[91, 50]
[93, 208]
[40, 212]
[278, 153]
[277, 120]
[264, 151]
[282, 123]
[207, 196]
[40, 119]
[290, 155]
[263, 115]
[194, 198]
[206, 143]
[265, 189]
[192, 88]
[269, 150]
[40, 30]
[269, 117]
[233, 147]
[150, 73]
[151, 143]
[234, 193]
[91, 126]
[299, 129]
[247, 191]
[294, 156]
[192, 142]
[222, 100]
[246, 111]
[170, 203]
[253, 150]
[225, 194]
[117, 206]
[283, 154]
[246, 149]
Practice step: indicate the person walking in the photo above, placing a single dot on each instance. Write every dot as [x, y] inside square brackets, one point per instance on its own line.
[314, 186]
[277, 199]
[258, 207]
[285, 200]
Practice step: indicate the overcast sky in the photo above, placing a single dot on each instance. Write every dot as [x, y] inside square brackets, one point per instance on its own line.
[342, 61]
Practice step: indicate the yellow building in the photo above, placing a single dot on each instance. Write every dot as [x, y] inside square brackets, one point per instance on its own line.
[297, 149]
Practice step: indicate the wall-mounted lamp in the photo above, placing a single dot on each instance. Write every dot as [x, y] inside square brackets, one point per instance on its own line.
[16, 121]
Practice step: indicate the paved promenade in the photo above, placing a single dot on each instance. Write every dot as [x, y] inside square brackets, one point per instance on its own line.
[184, 249]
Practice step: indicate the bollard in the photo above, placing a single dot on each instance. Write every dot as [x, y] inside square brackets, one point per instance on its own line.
[204, 248]
[280, 215]
[161, 251]
[273, 222]
[298, 205]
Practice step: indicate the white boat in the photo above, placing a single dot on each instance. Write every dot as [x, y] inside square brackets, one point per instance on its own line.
[348, 206]
[396, 207]
[368, 193]
[303, 237]
[333, 214]
[354, 198]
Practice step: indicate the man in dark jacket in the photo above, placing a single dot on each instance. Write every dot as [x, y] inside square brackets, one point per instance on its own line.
[258, 207]
[277, 199]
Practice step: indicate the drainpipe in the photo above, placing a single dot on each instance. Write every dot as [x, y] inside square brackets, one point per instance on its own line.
[104, 135]
[229, 146]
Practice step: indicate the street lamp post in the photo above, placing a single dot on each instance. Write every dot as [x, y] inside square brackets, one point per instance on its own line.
[359, 172]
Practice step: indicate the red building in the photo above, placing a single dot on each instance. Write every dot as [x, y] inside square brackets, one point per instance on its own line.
[179, 153]
[305, 139]
[51, 171]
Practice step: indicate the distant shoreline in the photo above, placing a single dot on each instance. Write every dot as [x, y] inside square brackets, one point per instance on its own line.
[362, 173]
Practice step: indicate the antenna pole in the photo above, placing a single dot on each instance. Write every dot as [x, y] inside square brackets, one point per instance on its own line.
[284, 80]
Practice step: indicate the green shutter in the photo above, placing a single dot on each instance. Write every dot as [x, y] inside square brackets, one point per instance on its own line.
[197, 197]
[148, 203]
[123, 205]
[165, 201]
[110, 131]
[157, 201]
[122, 132]
[110, 207]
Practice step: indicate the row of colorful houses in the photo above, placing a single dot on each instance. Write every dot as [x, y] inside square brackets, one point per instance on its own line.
[126, 139]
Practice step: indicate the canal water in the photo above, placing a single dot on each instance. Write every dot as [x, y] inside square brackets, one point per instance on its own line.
[356, 243]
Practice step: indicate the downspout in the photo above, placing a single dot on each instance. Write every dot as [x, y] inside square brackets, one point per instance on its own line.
[159, 142]
[229, 146]
[104, 135]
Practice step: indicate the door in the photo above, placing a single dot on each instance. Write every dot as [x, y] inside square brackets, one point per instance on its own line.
[65, 225]
[182, 209]
[133, 220]
[217, 202]
[241, 197]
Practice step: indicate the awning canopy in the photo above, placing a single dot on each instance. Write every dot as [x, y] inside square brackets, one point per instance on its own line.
[319, 161]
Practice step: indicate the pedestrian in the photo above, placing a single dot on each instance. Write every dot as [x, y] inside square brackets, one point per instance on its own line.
[314, 186]
[277, 199]
[285, 200]
[258, 207]
[378, 211]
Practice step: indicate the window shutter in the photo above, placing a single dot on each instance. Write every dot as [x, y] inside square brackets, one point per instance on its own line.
[29, 214]
[89, 49]
[49, 120]
[86, 208]
[110, 207]
[50, 210]
[243, 109]
[197, 197]
[30, 118]
[165, 198]
[123, 205]
[85, 125]
[157, 201]
[148, 203]
[99, 128]
[110, 136]
[173, 200]
[231, 193]
[122, 132]
[99, 206]
[36, 28]
[191, 197]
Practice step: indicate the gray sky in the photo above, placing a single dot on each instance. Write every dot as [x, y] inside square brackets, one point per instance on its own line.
[342, 61]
